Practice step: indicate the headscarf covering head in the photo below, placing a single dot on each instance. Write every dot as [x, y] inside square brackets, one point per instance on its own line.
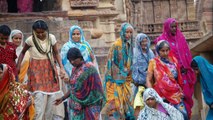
[15, 32]
[160, 44]
[139, 38]
[194, 64]
[206, 72]
[20, 47]
[151, 93]
[74, 53]
[74, 27]
[124, 26]
[167, 24]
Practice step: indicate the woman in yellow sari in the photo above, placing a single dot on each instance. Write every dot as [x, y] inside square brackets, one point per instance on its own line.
[15, 101]
[118, 77]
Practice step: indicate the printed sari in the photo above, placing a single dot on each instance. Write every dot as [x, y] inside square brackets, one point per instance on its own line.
[164, 82]
[141, 60]
[87, 97]
[118, 78]
[164, 111]
[181, 51]
[14, 99]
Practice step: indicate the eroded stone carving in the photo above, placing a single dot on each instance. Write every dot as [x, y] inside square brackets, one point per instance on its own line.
[84, 3]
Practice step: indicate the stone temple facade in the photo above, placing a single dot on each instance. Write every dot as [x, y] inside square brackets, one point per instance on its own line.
[101, 20]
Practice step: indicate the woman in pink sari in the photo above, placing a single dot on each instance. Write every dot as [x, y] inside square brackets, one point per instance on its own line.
[180, 49]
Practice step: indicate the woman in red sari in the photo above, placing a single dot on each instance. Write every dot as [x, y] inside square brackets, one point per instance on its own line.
[15, 101]
[165, 77]
[181, 51]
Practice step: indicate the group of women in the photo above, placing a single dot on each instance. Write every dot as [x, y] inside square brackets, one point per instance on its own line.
[163, 72]
[39, 55]
[163, 77]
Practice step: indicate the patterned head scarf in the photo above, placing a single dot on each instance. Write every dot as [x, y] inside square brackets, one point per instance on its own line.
[139, 38]
[151, 93]
[141, 59]
[138, 50]
[154, 114]
[125, 49]
[124, 26]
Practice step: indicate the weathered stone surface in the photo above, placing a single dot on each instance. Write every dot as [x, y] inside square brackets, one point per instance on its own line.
[84, 3]
[96, 33]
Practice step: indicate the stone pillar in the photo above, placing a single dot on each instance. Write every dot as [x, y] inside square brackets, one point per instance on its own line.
[173, 8]
[108, 28]
[207, 14]
[191, 10]
[112, 30]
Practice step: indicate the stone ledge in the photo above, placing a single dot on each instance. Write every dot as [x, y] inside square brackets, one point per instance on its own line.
[202, 45]
[20, 16]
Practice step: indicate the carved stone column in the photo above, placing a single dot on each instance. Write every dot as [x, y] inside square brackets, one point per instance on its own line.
[208, 14]
[191, 10]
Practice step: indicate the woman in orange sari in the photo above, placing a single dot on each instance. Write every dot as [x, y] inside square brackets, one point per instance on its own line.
[15, 101]
[165, 77]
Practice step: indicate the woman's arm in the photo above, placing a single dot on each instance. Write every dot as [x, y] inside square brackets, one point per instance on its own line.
[58, 59]
[60, 100]
[57, 56]
[150, 75]
[149, 80]
[21, 56]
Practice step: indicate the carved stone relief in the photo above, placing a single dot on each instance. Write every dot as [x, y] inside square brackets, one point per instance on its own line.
[84, 3]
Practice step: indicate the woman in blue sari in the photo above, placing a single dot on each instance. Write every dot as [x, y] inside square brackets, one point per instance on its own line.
[142, 54]
[77, 40]
[205, 71]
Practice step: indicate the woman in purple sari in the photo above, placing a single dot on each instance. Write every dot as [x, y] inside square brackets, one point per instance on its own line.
[180, 49]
